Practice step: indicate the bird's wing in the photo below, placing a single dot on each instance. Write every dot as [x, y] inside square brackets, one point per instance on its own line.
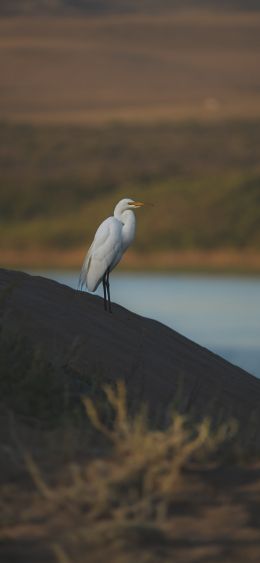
[85, 268]
[104, 253]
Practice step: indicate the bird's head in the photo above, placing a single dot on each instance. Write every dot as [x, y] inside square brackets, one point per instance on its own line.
[125, 205]
[128, 203]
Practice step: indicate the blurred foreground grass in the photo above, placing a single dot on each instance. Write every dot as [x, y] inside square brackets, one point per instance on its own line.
[59, 182]
[83, 480]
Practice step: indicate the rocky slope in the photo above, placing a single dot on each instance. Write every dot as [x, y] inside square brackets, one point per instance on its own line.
[159, 366]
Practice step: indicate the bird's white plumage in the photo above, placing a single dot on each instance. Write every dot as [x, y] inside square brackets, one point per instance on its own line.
[104, 253]
[111, 240]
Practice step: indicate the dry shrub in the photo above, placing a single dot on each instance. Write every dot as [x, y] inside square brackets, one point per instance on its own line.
[122, 497]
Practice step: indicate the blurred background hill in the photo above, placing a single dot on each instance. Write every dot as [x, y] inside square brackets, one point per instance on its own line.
[154, 100]
[120, 6]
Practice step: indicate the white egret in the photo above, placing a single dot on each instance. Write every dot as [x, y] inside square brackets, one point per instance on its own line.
[111, 240]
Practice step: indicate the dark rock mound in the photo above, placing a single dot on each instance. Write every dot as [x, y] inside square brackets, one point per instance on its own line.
[158, 365]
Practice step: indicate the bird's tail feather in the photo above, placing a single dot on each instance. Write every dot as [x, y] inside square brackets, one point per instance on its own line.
[84, 271]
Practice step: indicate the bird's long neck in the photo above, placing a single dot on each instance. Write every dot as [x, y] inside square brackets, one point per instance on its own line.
[128, 230]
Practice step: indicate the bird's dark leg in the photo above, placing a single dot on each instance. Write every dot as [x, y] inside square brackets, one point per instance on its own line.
[105, 293]
[108, 290]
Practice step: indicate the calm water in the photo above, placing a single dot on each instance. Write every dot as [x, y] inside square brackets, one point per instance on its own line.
[221, 313]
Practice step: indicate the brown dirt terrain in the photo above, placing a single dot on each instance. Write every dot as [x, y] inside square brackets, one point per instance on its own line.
[177, 494]
[216, 261]
[131, 67]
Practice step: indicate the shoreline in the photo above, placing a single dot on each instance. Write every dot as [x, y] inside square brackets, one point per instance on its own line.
[193, 261]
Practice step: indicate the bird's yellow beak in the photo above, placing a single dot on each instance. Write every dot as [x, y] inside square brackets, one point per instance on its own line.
[137, 203]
